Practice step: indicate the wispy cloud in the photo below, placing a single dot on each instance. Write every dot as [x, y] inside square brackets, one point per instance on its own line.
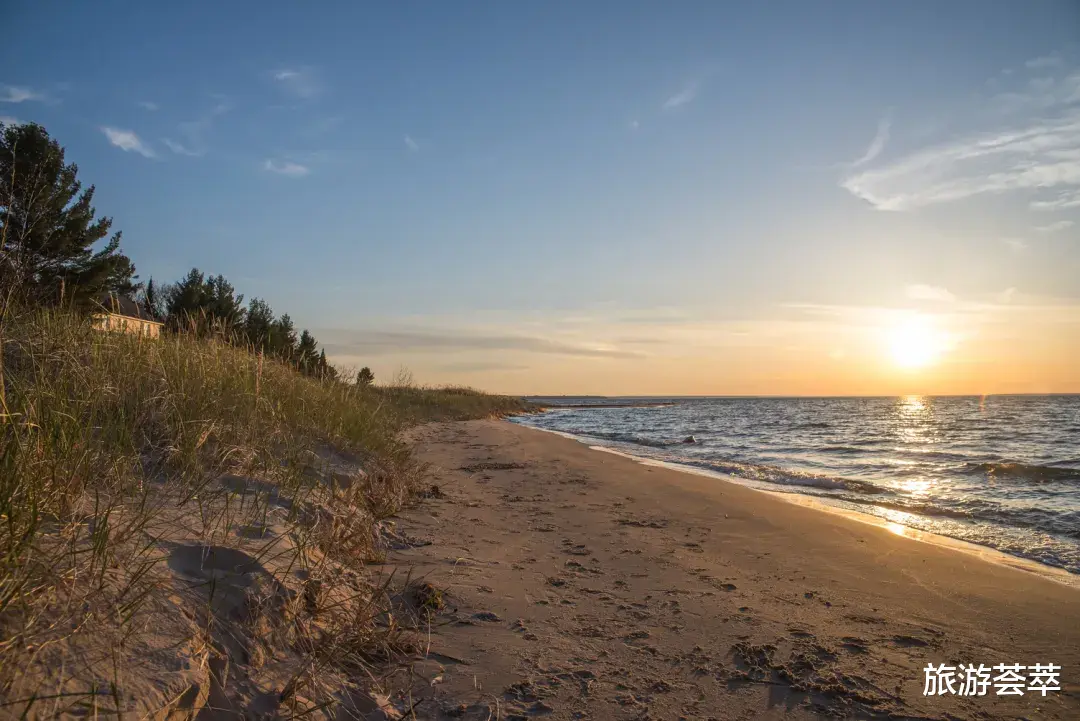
[129, 141]
[1055, 227]
[148, 105]
[9, 120]
[194, 143]
[877, 144]
[1039, 152]
[376, 342]
[194, 147]
[20, 94]
[1044, 62]
[300, 82]
[1042, 309]
[1016, 245]
[481, 367]
[1063, 201]
[411, 144]
[918, 291]
[286, 167]
[180, 148]
[684, 96]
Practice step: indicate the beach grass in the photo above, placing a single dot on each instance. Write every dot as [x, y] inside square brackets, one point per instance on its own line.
[113, 447]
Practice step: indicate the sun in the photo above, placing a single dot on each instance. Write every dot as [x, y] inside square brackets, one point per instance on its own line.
[915, 343]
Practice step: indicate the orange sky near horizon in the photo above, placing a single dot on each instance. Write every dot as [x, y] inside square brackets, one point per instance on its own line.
[945, 346]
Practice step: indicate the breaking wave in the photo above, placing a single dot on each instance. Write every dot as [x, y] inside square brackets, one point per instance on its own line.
[1024, 472]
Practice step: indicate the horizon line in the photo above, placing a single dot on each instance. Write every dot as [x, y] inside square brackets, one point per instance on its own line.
[783, 396]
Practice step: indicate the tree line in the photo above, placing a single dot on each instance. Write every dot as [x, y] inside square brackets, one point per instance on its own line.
[48, 234]
[209, 305]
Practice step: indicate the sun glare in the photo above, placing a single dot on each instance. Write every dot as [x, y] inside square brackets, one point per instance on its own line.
[916, 343]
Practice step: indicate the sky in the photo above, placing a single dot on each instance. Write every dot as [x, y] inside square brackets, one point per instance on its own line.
[637, 198]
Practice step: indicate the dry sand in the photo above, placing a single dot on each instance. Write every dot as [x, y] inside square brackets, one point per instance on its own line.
[582, 584]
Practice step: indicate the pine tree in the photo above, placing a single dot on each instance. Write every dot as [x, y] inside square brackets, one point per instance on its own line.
[259, 324]
[223, 307]
[306, 358]
[151, 300]
[204, 303]
[48, 228]
[283, 338]
[365, 377]
[186, 300]
[326, 371]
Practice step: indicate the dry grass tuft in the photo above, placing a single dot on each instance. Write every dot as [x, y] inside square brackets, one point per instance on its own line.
[182, 503]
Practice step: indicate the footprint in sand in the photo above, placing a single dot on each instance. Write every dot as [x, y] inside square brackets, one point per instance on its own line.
[854, 644]
[222, 574]
[206, 562]
[905, 641]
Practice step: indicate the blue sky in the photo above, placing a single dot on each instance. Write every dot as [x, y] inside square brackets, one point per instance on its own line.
[603, 197]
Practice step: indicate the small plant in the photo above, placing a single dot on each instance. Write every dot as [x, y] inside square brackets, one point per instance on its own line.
[429, 599]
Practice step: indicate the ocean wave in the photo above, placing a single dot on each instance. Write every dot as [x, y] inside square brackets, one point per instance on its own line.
[748, 471]
[1023, 472]
[783, 476]
[1062, 523]
[624, 438]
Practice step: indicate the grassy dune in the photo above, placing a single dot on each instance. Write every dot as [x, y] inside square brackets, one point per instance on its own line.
[120, 455]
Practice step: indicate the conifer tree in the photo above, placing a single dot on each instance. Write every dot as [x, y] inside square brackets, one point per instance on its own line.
[47, 227]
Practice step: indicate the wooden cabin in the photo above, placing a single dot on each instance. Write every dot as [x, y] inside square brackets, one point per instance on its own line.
[118, 313]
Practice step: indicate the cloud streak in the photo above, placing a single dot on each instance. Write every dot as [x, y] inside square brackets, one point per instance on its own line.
[687, 95]
[1044, 62]
[377, 342]
[286, 167]
[128, 141]
[194, 132]
[412, 145]
[19, 94]
[1068, 199]
[180, 148]
[1037, 154]
[877, 144]
[1055, 227]
[919, 291]
[303, 83]
[481, 367]
[1016, 245]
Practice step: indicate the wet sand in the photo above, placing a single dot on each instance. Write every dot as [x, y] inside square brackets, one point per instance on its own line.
[582, 584]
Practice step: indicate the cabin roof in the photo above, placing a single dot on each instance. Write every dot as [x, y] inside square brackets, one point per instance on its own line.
[122, 305]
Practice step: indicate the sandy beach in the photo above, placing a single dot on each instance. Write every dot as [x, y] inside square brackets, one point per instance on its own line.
[582, 584]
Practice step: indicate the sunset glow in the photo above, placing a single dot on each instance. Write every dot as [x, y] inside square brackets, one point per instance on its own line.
[916, 343]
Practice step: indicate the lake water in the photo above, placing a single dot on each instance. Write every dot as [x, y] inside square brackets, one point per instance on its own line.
[1000, 471]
